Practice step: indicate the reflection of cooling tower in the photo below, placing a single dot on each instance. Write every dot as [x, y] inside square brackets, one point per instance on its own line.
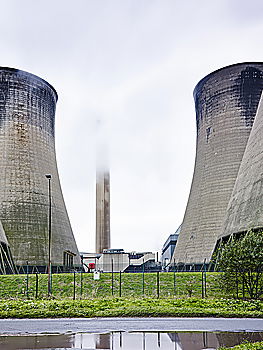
[226, 103]
[27, 116]
[197, 340]
[245, 209]
[102, 211]
[103, 341]
[50, 341]
[229, 339]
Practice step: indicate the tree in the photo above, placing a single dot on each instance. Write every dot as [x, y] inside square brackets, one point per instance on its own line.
[241, 261]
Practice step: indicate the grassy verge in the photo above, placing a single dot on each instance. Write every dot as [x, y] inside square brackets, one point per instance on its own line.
[132, 285]
[247, 346]
[130, 307]
[179, 295]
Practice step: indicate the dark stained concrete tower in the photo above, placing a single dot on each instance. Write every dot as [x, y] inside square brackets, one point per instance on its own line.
[6, 261]
[27, 153]
[102, 210]
[226, 103]
[245, 209]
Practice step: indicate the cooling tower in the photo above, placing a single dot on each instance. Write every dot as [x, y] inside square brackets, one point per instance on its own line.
[27, 144]
[226, 102]
[245, 209]
[6, 261]
[102, 210]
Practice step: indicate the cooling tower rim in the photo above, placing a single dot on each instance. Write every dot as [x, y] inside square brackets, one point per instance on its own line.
[16, 70]
[208, 76]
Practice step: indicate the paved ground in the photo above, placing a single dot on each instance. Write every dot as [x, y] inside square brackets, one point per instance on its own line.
[103, 325]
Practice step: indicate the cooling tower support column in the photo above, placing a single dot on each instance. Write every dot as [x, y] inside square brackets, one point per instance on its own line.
[102, 211]
[226, 103]
[27, 153]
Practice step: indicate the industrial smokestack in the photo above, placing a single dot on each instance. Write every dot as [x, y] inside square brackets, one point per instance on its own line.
[102, 192]
[102, 211]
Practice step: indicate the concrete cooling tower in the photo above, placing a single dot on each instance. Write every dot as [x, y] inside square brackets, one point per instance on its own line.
[6, 261]
[245, 209]
[226, 102]
[27, 154]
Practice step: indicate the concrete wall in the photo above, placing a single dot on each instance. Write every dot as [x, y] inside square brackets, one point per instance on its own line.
[27, 117]
[226, 103]
[120, 262]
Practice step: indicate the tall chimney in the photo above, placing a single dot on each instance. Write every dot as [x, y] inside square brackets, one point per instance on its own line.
[102, 189]
[102, 210]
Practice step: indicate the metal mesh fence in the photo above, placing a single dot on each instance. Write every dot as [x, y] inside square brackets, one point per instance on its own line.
[80, 285]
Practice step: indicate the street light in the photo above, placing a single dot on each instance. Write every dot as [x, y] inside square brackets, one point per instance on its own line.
[48, 176]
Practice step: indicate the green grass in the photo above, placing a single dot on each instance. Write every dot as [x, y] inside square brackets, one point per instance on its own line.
[247, 346]
[95, 299]
[130, 307]
[184, 285]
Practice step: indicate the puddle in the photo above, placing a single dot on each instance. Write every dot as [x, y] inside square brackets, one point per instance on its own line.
[130, 341]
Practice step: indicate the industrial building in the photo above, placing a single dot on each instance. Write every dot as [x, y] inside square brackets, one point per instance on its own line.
[116, 260]
[168, 248]
[29, 198]
[226, 103]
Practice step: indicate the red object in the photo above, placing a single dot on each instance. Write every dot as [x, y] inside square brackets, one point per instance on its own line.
[91, 265]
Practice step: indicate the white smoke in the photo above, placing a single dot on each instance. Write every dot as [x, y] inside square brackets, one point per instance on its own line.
[102, 146]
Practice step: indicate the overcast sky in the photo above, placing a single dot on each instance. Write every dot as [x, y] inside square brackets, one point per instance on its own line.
[133, 65]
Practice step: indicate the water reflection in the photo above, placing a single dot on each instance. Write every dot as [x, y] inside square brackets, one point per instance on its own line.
[103, 341]
[129, 341]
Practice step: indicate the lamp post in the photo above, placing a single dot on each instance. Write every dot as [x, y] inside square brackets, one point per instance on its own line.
[48, 176]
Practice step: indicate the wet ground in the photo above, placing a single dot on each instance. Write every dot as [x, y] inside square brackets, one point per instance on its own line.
[130, 340]
[128, 333]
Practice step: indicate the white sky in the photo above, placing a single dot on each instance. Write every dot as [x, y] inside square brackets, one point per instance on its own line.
[132, 64]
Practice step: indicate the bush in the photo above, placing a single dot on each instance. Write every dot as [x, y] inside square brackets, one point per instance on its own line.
[241, 261]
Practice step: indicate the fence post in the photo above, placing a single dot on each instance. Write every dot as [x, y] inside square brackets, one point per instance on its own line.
[49, 283]
[143, 277]
[81, 288]
[74, 285]
[36, 285]
[205, 276]
[237, 284]
[112, 292]
[204, 280]
[158, 284]
[243, 287]
[27, 282]
[51, 279]
[202, 284]
[120, 283]
[174, 280]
